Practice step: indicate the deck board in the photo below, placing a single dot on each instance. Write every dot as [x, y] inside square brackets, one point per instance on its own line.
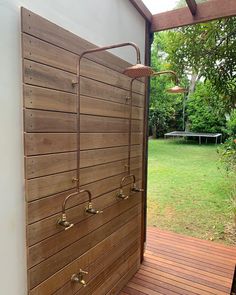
[177, 264]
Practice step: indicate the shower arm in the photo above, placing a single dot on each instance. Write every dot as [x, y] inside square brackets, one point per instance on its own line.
[130, 122]
[167, 72]
[104, 48]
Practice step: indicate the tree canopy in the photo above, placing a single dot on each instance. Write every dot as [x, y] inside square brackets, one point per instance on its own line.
[208, 50]
[204, 57]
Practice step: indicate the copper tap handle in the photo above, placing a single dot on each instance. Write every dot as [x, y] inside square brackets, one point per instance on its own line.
[70, 226]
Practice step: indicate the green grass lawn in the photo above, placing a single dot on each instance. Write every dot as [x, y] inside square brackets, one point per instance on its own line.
[187, 192]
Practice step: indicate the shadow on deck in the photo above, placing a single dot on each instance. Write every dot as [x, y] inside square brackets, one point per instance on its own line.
[177, 264]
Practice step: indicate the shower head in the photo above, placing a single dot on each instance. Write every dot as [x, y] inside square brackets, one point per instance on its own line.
[138, 71]
[177, 89]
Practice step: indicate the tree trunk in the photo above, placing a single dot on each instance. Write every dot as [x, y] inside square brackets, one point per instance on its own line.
[193, 81]
[154, 132]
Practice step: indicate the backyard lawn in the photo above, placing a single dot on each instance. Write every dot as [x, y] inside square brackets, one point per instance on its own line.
[187, 192]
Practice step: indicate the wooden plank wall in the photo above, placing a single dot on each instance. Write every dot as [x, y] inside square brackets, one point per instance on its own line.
[106, 245]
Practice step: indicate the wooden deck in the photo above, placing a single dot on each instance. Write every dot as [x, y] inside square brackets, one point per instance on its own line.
[176, 264]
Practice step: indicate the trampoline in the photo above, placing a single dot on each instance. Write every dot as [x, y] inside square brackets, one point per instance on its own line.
[217, 136]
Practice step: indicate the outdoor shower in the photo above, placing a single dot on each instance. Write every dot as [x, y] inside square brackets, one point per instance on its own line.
[136, 71]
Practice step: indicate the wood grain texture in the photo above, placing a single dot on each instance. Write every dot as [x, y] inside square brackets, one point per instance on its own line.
[48, 77]
[97, 124]
[108, 92]
[37, 188]
[47, 227]
[34, 49]
[108, 244]
[52, 264]
[43, 165]
[45, 30]
[48, 99]
[189, 268]
[210, 10]
[100, 73]
[100, 107]
[44, 121]
[113, 273]
[62, 277]
[47, 143]
[48, 185]
[48, 206]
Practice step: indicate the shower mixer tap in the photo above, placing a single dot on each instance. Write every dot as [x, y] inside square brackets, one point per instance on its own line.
[79, 277]
[64, 222]
[134, 187]
[89, 209]
[121, 195]
[63, 219]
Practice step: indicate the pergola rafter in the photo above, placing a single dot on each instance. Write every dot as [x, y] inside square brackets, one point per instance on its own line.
[192, 14]
[192, 5]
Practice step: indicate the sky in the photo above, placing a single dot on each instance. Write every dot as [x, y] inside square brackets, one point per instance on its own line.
[157, 6]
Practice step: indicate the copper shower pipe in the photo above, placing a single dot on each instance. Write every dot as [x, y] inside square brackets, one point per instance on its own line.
[98, 49]
[89, 209]
[130, 122]
[176, 89]
[154, 74]
[131, 107]
[167, 72]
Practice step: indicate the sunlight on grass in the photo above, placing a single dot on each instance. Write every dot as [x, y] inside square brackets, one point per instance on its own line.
[187, 192]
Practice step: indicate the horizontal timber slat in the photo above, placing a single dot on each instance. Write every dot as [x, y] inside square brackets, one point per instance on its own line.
[34, 49]
[124, 279]
[100, 107]
[108, 244]
[48, 206]
[48, 77]
[45, 30]
[48, 99]
[54, 100]
[43, 165]
[102, 124]
[37, 188]
[61, 277]
[118, 271]
[45, 121]
[55, 60]
[47, 227]
[65, 256]
[46, 143]
[100, 73]
[92, 88]
[105, 280]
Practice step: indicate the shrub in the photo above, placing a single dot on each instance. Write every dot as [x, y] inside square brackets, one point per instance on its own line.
[206, 110]
[231, 124]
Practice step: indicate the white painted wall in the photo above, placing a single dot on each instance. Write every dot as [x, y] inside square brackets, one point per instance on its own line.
[101, 22]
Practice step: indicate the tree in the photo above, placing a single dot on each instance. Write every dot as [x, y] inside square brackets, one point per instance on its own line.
[164, 107]
[206, 50]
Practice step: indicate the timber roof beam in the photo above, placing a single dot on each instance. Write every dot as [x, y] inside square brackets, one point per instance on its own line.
[207, 11]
